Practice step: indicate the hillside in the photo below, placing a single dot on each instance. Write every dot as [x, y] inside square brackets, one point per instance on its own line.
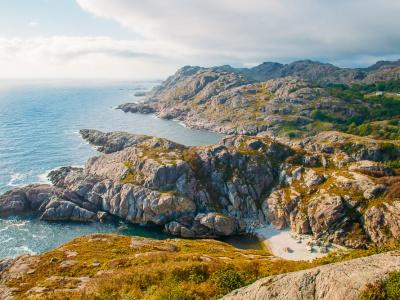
[120, 267]
[295, 104]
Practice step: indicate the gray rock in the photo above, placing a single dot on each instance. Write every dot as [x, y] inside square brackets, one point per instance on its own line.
[312, 178]
[219, 224]
[382, 222]
[371, 168]
[5, 263]
[109, 142]
[59, 210]
[325, 213]
[26, 200]
[338, 281]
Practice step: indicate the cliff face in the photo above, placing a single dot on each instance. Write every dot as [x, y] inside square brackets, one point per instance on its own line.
[317, 186]
[197, 191]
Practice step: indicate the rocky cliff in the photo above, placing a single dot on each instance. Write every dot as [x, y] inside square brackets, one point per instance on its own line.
[319, 186]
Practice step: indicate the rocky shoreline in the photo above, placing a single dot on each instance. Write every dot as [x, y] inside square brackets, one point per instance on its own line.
[286, 164]
[328, 184]
[226, 189]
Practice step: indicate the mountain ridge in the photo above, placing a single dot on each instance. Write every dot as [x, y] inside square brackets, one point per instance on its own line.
[306, 69]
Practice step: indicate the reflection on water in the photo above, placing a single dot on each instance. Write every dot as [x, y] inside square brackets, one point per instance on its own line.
[243, 242]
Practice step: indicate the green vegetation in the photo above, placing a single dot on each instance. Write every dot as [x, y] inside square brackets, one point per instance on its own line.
[228, 279]
[130, 176]
[395, 164]
[379, 117]
[121, 267]
[388, 289]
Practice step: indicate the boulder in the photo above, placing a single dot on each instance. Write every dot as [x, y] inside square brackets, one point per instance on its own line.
[382, 222]
[218, 224]
[325, 212]
[59, 210]
[312, 178]
[338, 281]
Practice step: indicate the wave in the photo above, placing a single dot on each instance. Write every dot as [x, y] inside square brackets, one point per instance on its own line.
[7, 240]
[43, 178]
[17, 179]
[24, 250]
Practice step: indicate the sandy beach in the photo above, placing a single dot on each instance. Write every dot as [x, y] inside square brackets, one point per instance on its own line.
[282, 243]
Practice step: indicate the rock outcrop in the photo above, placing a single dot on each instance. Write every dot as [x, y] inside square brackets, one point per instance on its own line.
[338, 281]
[112, 141]
[224, 189]
[22, 201]
[193, 192]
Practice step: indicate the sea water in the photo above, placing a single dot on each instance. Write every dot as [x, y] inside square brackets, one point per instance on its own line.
[39, 131]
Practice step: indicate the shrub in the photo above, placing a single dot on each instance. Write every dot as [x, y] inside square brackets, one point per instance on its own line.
[382, 290]
[319, 115]
[176, 293]
[228, 280]
[392, 286]
[373, 292]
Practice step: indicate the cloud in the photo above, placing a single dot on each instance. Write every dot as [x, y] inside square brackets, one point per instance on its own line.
[83, 57]
[248, 31]
[33, 24]
[173, 33]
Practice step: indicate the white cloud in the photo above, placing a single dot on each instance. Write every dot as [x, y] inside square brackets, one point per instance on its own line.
[209, 31]
[33, 23]
[83, 57]
[174, 33]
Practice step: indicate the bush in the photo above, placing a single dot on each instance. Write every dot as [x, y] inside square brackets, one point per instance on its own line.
[373, 292]
[228, 280]
[319, 115]
[176, 293]
[392, 286]
[395, 164]
[382, 290]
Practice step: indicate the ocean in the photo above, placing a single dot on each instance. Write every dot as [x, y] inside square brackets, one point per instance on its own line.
[39, 124]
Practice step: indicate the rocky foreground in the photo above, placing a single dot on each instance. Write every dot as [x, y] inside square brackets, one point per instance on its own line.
[332, 186]
[339, 281]
[121, 267]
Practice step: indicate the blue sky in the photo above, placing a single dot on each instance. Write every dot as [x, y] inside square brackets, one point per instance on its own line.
[140, 39]
[55, 17]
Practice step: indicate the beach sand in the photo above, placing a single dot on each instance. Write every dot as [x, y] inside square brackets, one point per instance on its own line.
[278, 240]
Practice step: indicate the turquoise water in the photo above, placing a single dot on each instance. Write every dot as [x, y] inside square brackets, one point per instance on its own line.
[39, 124]
[31, 236]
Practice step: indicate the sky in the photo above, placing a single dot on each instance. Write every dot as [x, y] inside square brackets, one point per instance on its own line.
[150, 39]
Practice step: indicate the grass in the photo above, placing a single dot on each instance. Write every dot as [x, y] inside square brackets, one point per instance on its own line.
[120, 267]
